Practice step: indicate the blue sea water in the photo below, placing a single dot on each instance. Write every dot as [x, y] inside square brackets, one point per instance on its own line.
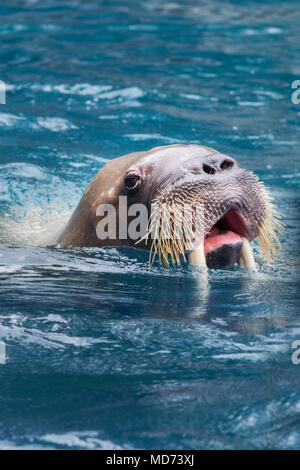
[102, 352]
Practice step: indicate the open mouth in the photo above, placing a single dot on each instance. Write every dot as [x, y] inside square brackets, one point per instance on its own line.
[225, 244]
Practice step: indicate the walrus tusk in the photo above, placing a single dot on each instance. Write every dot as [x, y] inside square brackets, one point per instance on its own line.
[197, 256]
[246, 257]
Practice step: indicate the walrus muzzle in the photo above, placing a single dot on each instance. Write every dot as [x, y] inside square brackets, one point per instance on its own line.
[235, 210]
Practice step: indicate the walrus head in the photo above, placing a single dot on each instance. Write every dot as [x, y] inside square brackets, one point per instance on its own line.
[226, 207]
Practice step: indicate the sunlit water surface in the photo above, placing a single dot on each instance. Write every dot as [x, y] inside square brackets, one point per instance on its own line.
[101, 351]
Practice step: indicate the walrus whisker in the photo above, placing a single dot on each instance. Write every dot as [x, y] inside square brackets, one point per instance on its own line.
[267, 236]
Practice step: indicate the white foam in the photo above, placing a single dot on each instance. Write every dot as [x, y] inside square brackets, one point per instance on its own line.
[272, 30]
[40, 226]
[46, 339]
[55, 124]
[79, 89]
[191, 96]
[130, 93]
[25, 170]
[10, 120]
[138, 137]
[7, 445]
[103, 92]
[255, 104]
[85, 440]
[9, 269]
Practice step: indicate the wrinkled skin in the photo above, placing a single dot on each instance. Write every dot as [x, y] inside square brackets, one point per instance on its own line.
[189, 173]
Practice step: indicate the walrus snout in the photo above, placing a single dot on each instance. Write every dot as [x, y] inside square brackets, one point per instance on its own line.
[211, 165]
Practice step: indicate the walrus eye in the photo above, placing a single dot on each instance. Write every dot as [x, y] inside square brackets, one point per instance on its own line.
[132, 183]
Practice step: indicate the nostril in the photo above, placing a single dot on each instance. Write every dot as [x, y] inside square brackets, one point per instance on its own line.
[226, 165]
[209, 169]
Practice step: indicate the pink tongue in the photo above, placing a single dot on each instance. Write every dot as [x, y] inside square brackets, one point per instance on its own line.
[217, 238]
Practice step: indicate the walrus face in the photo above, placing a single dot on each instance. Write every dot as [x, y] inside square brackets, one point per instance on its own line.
[196, 203]
[235, 208]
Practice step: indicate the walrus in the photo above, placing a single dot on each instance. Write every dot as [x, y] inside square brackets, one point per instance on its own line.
[236, 208]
